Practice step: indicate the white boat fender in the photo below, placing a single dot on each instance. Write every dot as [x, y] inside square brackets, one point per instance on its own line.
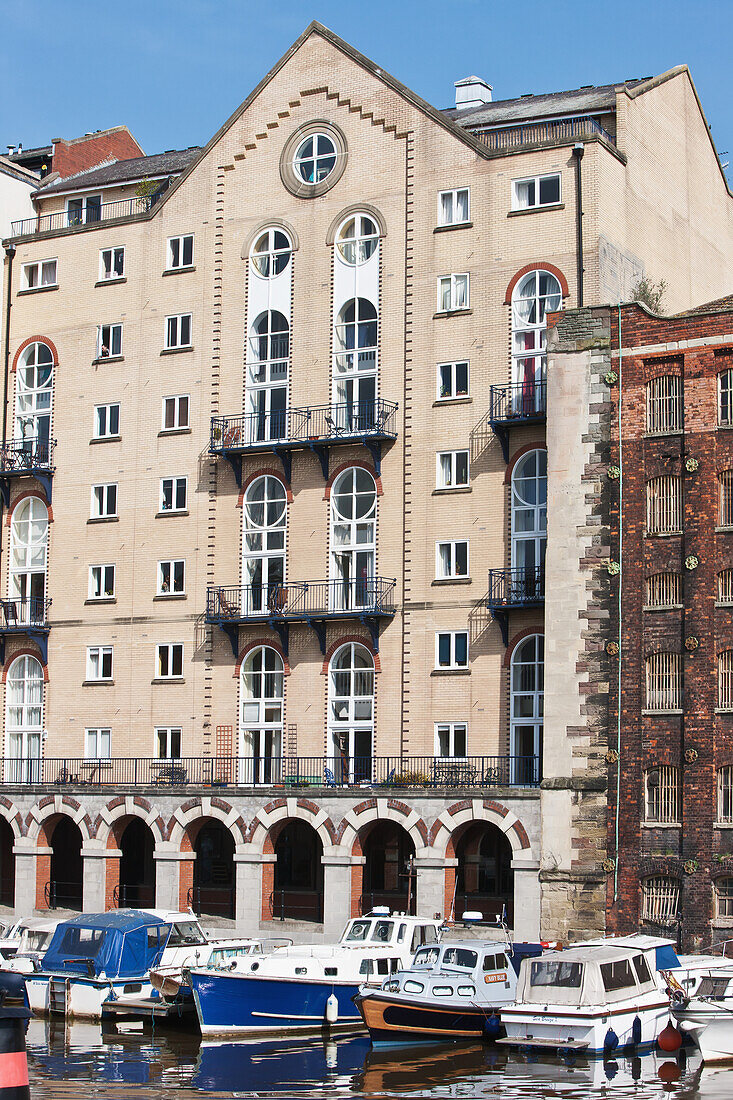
[332, 1009]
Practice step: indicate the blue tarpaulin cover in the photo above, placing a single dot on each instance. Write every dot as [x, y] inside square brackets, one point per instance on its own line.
[123, 944]
[666, 957]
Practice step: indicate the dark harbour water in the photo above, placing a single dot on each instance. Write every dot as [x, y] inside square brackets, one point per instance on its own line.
[79, 1062]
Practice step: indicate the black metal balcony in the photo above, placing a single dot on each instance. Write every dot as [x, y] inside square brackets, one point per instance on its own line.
[513, 590]
[514, 405]
[549, 132]
[73, 218]
[314, 427]
[313, 602]
[26, 458]
[25, 616]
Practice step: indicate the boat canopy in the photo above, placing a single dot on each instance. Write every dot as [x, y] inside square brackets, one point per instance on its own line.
[121, 944]
[582, 976]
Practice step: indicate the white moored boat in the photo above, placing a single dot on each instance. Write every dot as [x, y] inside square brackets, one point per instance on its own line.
[707, 1015]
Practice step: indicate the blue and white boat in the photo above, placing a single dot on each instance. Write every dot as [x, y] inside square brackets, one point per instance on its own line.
[308, 987]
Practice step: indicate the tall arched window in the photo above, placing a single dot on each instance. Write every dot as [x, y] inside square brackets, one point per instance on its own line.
[263, 566]
[355, 365]
[24, 719]
[267, 376]
[353, 537]
[357, 239]
[270, 253]
[527, 709]
[529, 525]
[261, 721]
[351, 711]
[28, 554]
[536, 295]
[33, 400]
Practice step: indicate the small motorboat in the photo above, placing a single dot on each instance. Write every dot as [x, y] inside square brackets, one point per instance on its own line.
[34, 936]
[706, 1015]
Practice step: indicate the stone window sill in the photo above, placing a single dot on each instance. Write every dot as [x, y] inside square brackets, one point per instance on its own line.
[452, 313]
[536, 209]
[107, 282]
[661, 713]
[171, 596]
[662, 435]
[723, 825]
[97, 683]
[456, 225]
[174, 431]
[108, 359]
[176, 351]
[723, 710]
[168, 680]
[662, 534]
[37, 289]
[451, 672]
[101, 599]
[105, 439]
[452, 489]
[661, 825]
[462, 399]
[451, 580]
[662, 607]
[722, 603]
[179, 270]
[724, 530]
[104, 519]
[171, 512]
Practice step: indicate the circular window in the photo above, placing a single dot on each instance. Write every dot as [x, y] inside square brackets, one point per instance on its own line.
[271, 253]
[357, 239]
[313, 159]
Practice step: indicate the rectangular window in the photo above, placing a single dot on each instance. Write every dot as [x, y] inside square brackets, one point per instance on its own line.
[725, 680]
[725, 795]
[178, 331]
[662, 794]
[180, 252]
[106, 421]
[452, 293]
[664, 404]
[451, 560]
[173, 494]
[99, 662]
[664, 505]
[109, 341]
[451, 649]
[536, 191]
[168, 742]
[171, 577]
[663, 681]
[169, 661]
[452, 380]
[725, 586]
[111, 264]
[725, 480]
[450, 739]
[453, 207]
[663, 590]
[725, 397]
[175, 412]
[104, 501]
[85, 208]
[660, 899]
[724, 897]
[452, 469]
[38, 275]
[101, 582]
[98, 744]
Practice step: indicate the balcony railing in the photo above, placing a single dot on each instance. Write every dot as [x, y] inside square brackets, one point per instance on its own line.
[513, 589]
[66, 219]
[515, 404]
[26, 458]
[300, 601]
[18, 615]
[531, 133]
[326, 772]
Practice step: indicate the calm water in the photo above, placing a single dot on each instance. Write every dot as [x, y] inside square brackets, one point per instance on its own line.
[79, 1062]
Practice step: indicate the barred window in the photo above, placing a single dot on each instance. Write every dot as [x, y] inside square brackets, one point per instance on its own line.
[725, 481]
[662, 794]
[663, 590]
[725, 586]
[724, 897]
[664, 505]
[725, 795]
[725, 679]
[660, 899]
[663, 681]
[664, 404]
[725, 397]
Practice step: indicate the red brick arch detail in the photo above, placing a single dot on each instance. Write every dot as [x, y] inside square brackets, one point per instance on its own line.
[347, 466]
[24, 653]
[342, 641]
[520, 453]
[36, 340]
[24, 496]
[538, 266]
[254, 645]
[261, 473]
[514, 642]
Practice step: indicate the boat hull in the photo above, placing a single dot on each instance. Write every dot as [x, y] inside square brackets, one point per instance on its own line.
[711, 1028]
[398, 1021]
[583, 1030]
[82, 998]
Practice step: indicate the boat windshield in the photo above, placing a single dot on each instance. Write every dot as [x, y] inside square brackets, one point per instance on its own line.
[617, 975]
[562, 975]
[81, 943]
[495, 962]
[383, 931]
[358, 931]
[459, 956]
[34, 941]
[184, 933]
[428, 956]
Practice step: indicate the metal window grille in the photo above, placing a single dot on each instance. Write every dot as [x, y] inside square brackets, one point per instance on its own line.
[662, 794]
[725, 794]
[663, 681]
[724, 897]
[664, 590]
[664, 404]
[725, 586]
[664, 505]
[660, 897]
[725, 680]
[725, 480]
[725, 396]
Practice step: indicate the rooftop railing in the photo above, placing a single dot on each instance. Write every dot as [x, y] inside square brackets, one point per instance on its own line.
[69, 219]
[300, 601]
[303, 426]
[551, 130]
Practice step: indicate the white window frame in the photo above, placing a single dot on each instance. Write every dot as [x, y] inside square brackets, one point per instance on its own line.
[114, 276]
[170, 650]
[174, 482]
[102, 652]
[725, 680]
[169, 252]
[453, 663]
[104, 593]
[725, 795]
[453, 280]
[453, 482]
[103, 512]
[101, 342]
[660, 898]
[176, 399]
[85, 200]
[454, 192]
[171, 590]
[94, 739]
[725, 397]
[39, 267]
[172, 334]
[452, 575]
[96, 433]
[664, 505]
[536, 180]
[167, 732]
[725, 586]
[663, 675]
[662, 794]
[664, 404]
[725, 482]
[451, 728]
[723, 899]
[454, 394]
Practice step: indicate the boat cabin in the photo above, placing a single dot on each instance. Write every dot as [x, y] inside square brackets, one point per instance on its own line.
[583, 976]
[120, 944]
[379, 929]
[470, 969]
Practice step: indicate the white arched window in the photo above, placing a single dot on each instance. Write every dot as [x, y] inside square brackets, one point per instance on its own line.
[351, 711]
[267, 376]
[263, 565]
[261, 719]
[33, 400]
[527, 709]
[355, 366]
[270, 253]
[357, 239]
[535, 295]
[353, 539]
[529, 525]
[24, 719]
[28, 556]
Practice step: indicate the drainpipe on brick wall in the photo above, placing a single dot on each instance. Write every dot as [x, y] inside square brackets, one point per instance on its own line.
[9, 253]
[620, 586]
[578, 151]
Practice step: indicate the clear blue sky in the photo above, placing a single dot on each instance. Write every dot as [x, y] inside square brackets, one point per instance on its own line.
[173, 70]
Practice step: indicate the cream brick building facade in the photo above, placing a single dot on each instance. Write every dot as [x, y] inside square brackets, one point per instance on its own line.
[424, 748]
